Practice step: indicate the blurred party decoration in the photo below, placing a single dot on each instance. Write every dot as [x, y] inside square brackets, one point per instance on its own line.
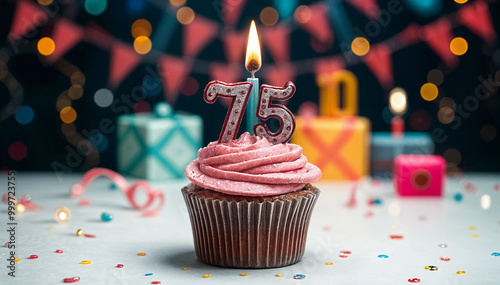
[369, 8]
[269, 16]
[95, 7]
[230, 11]
[128, 190]
[234, 46]
[46, 46]
[379, 60]
[458, 46]
[277, 41]
[141, 27]
[174, 69]
[123, 60]
[438, 36]
[65, 36]
[26, 18]
[476, 17]
[426, 8]
[338, 141]
[197, 35]
[429, 91]
[157, 146]
[419, 175]
[142, 45]
[360, 46]
[285, 7]
[317, 23]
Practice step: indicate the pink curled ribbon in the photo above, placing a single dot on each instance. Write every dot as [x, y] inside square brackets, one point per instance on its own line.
[122, 184]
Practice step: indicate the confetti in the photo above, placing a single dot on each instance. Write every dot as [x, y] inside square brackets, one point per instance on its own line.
[79, 232]
[244, 274]
[86, 262]
[141, 254]
[472, 228]
[7, 244]
[495, 254]
[206, 276]
[279, 275]
[345, 252]
[71, 280]
[299, 276]
[185, 268]
[461, 272]
[458, 197]
[383, 256]
[369, 214]
[442, 245]
[119, 265]
[16, 259]
[89, 235]
[328, 263]
[396, 236]
[33, 256]
[476, 236]
[422, 218]
[496, 187]
[377, 201]
[431, 268]
[326, 228]
[52, 228]
[343, 255]
[84, 202]
[106, 217]
[414, 280]
[62, 214]
[148, 274]
[445, 258]
[156, 282]
[59, 251]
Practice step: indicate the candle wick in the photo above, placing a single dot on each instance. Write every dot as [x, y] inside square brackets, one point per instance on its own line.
[253, 74]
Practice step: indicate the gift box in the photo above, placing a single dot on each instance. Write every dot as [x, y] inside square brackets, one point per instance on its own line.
[386, 147]
[419, 175]
[338, 141]
[158, 145]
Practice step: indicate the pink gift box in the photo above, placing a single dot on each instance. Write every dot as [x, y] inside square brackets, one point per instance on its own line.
[419, 175]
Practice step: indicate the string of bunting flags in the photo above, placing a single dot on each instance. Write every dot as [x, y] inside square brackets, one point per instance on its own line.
[276, 39]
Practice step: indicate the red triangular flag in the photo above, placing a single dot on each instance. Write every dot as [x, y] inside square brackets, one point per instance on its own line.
[277, 41]
[319, 25]
[368, 7]
[279, 74]
[476, 16]
[328, 66]
[98, 36]
[410, 35]
[123, 60]
[27, 16]
[438, 36]
[231, 10]
[173, 70]
[65, 35]
[197, 34]
[379, 61]
[234, 46]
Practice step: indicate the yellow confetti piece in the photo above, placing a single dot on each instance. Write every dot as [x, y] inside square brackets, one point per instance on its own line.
[475, 236]
[279, 275]
[79, 232]
[460, 272]
[328, 263]
[244, 274]
[86, 262]
[141, 254]
[16, 259]
[185, 268]
[206, 276]
[472, 228]
[52, 228]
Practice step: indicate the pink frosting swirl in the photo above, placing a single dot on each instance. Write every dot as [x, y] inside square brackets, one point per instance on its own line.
[252, 166]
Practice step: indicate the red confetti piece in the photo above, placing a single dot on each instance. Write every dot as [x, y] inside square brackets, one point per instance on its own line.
[89, 235]
[444, 258]
[345, 252]
[369, 214]
[344, 255]
[496, 187]
[326, 228]
[84, 202]
[71, 280]
[33, 256]
[396, 236]
[414, 280]
[422, 218]
[156, 282]
[119, 265]
[59, 251]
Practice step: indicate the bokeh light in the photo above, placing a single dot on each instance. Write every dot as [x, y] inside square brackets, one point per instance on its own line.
[141, 27]
[397, 101]
[24, 115]
[488, 132]
[185, 15]
[308, 109]
[75, 91]
[360, 46]
[151, 86]
[95, 7]
[142, 45]
[68, 129]
[429, 91]
[269, 16]
[452, 155]
[136, 6]
[177, 2]
[99, 141]
[435, 76]
[68, 115]
[142, 107]
[189, 86]
[447, 102]
[420, 120]
[461, 1]
[103, 97]
[446, 115]
[46, 46]
[18, 151]
[45, 2]
[77, 78]
[458, 46]
[302, 14]
[62, 101]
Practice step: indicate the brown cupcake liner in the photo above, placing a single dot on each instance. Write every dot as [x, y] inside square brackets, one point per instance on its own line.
[249, 234]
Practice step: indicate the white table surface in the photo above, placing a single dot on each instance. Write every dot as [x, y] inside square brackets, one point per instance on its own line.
[167, 238]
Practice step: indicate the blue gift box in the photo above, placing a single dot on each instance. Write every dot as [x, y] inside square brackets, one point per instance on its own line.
[158, 145]
[385, 148]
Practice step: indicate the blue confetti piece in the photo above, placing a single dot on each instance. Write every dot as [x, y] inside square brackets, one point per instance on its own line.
[495, 254]
[458, 197]
[377, 201]
[383, 256]
[299, 276]
[148, 274]
[106, 217]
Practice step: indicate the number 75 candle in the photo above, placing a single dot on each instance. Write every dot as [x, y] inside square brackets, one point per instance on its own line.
[260, 107]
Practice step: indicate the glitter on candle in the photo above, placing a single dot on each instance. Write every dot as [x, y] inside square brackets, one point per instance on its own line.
[71, 280]
[299, 276]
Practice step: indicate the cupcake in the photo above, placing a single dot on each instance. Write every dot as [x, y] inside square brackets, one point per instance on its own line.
[250, 202]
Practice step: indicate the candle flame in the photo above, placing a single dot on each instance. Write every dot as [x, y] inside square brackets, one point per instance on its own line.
[397, 101]
[253, 59]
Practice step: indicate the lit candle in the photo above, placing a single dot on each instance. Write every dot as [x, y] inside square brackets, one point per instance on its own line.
[397, 105]
[253, 62]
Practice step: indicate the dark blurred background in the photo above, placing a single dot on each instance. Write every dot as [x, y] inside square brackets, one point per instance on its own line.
[34, 89]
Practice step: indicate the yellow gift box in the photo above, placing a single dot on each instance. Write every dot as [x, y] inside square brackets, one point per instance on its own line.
[338, 141]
